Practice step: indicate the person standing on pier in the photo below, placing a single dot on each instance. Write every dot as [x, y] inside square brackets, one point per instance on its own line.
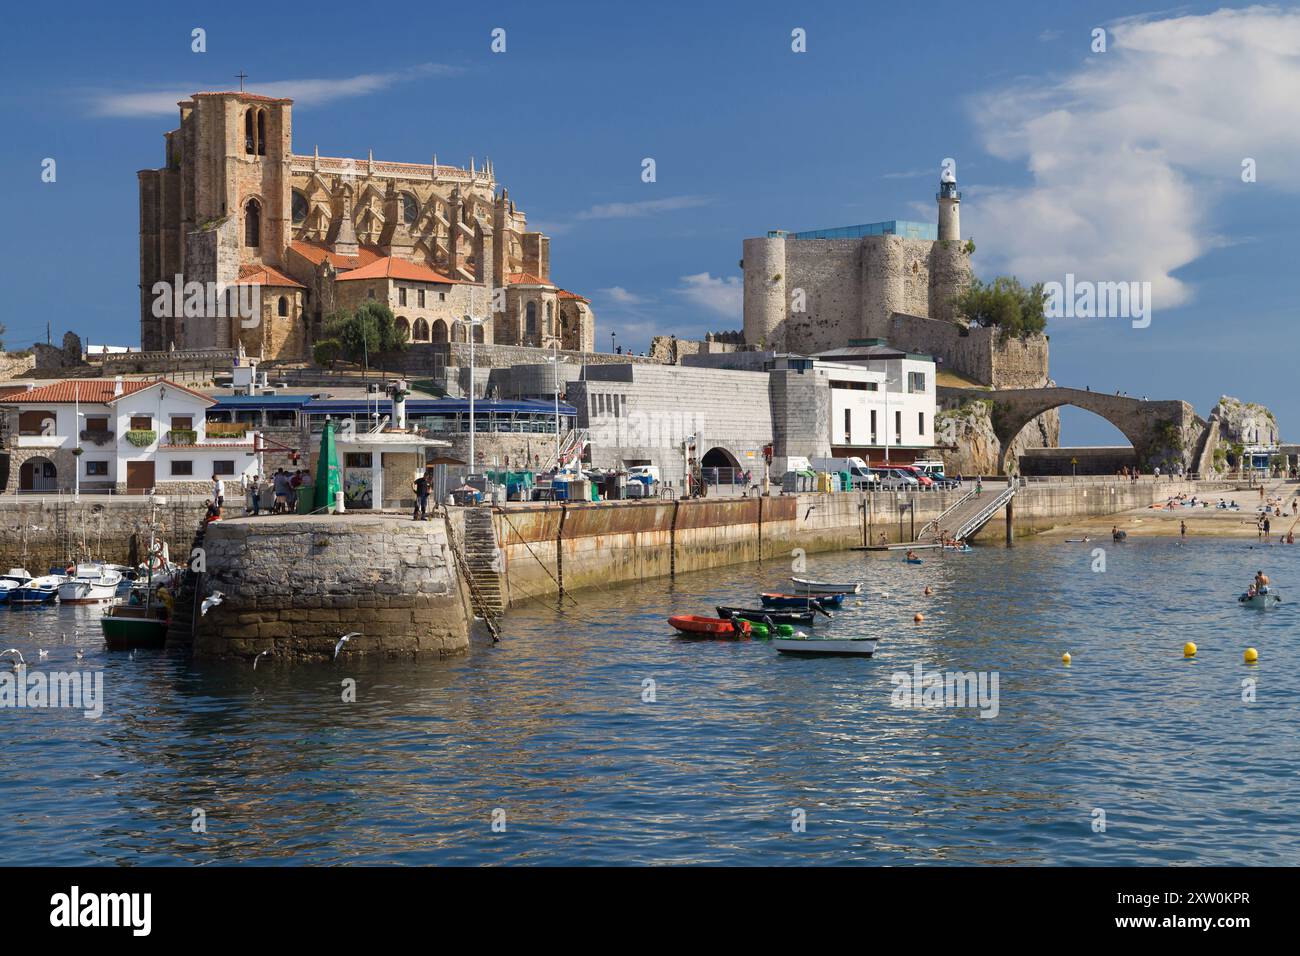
[421, 488]
[218, 492]
[255, 494]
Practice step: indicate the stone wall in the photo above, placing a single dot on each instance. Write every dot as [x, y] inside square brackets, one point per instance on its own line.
[973, 351]
[16, 364]
[295, 585]
[48, 531]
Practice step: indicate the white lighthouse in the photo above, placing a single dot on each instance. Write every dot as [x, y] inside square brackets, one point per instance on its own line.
[949, 203]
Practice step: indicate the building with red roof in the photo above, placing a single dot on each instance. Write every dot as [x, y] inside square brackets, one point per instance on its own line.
[287, 240]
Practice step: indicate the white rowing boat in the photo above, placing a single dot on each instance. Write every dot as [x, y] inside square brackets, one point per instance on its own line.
[1270, 599]
[826, 587]
[826, 646]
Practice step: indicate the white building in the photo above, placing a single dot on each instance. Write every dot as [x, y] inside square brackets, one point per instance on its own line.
[882, 400]
[122, 436]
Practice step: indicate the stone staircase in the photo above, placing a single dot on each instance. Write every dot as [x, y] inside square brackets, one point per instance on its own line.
[483, 563]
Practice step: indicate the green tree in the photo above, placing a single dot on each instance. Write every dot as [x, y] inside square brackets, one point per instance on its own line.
[371, 330]
[1004, 304]
[327, 352]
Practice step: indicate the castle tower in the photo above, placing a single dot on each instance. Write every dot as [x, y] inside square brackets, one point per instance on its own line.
[766, 306]
[949, 205]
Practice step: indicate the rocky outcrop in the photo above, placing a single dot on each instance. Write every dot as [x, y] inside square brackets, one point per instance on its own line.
[1241, 424]
[969, 441]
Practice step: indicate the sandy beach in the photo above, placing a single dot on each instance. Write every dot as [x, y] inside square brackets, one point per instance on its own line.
[1201, 521]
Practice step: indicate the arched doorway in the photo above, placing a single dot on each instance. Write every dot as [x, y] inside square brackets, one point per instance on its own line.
[719, 467]
[439, 331]
[38, 474]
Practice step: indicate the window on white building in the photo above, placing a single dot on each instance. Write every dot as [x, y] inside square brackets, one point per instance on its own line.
[223, 468]
[916, 381]
[97, 468]
[920, 423]
[182, 469]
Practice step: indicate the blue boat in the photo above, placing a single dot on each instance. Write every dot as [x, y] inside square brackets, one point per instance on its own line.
[42, 590]
[771, 599]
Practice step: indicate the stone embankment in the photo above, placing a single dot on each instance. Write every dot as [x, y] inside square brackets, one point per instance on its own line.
[295, 585]
[39, 532]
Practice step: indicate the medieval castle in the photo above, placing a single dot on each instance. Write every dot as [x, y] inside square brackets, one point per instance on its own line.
[235, 206]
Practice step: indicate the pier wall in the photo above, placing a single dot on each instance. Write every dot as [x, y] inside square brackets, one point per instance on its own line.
[596, 544]
[45, 532]
[295, 585]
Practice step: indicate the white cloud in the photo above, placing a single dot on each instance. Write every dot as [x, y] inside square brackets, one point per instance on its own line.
[646, 207]
[718, 294]
[1129, 153]
[621, 296]
[308, 92]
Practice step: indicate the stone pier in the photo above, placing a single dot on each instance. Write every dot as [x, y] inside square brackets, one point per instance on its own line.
[294, 585]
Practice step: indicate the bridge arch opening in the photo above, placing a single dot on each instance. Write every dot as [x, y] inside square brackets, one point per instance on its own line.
[1088, 444]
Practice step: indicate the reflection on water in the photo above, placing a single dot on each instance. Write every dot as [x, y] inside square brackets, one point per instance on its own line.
[550, 727]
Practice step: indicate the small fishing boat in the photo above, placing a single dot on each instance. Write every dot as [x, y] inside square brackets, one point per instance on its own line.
[41, 590]
[1269, 599]
[763, 613]
[709, 626]
[802, 644]
[826, 587]
[10, 582]
[128, 626]
[762, 630]
[90, 584]
[912, 561]
[771, 599]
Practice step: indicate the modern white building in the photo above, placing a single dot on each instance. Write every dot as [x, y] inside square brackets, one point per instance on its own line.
[125, 436]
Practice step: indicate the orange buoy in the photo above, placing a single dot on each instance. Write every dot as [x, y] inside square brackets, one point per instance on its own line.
[918, 618]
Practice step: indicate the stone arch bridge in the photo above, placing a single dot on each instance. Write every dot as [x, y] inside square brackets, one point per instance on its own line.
[1164, 434]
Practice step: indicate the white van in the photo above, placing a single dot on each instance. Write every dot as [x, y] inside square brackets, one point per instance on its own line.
[645, 473]
[859, 473]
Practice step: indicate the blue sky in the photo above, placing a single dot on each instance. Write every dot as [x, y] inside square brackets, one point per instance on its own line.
[1121, 166]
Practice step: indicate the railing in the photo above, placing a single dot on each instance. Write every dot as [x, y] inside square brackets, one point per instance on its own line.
[981, 517]
[226, 429]
[181, 436]
[934, 524]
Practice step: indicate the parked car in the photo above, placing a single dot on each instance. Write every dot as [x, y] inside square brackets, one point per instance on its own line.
[891, 479]
[924, 480]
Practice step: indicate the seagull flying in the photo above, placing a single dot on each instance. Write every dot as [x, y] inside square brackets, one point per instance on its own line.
[21, 662]
[264, 653]
[211, 601]
[343, 640]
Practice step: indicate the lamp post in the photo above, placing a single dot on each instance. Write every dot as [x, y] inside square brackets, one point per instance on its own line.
[76, 441]
[888, 382]
[471, 323]
[555, 380]
[613, 337]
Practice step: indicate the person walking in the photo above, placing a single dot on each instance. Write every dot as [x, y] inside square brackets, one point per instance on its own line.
[218, 492]
[255, 494]
[421, 488]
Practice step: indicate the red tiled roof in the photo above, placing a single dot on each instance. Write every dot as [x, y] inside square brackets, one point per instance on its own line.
[316, 253]
[526, 278]
[566, 294]
[92, 391]
[391, 267]
[252, 274]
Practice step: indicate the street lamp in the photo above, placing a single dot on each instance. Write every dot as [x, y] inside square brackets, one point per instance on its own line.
[472, 323]
[555, 380]
[888, 382]
[612, 338]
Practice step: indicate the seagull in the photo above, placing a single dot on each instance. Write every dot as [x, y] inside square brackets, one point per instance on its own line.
[211, 601]
[21, 662]
[343, 640]
[264, 653]
[81, 655]
[42, 654]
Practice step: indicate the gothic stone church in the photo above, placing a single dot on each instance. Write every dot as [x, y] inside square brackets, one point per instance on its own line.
[235, 206]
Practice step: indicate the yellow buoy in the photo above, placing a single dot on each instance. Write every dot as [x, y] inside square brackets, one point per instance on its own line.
[1065, 658]
[1251, 655]
[1189, 649]
[918, 618]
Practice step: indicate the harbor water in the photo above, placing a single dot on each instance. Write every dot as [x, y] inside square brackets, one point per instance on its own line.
[592, 735]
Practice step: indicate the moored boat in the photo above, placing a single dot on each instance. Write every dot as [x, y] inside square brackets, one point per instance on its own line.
[826, 587]
[771, 599]
[41, 590]
[90, 584]
[826, 646]
[762, 613]
[709, 626]
[11, 582]
[762, 630]
[128, 626]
